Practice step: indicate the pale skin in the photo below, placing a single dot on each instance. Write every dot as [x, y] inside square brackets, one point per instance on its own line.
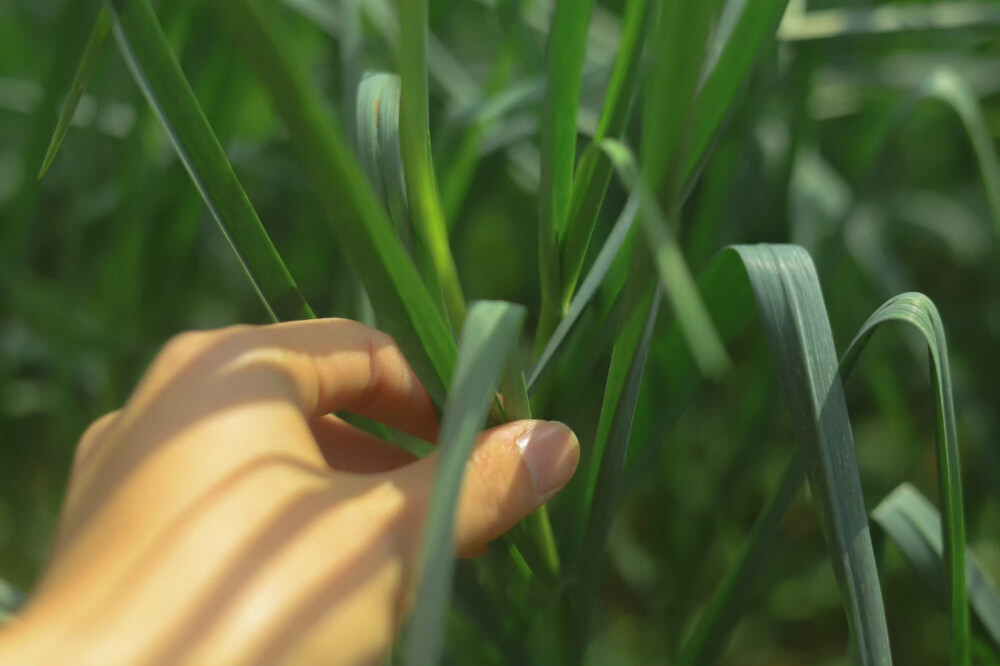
[225, 516]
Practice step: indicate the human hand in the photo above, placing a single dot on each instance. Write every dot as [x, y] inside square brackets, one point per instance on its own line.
[224, 516]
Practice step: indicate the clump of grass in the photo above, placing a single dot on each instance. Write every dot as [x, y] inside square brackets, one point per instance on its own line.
[676, 77]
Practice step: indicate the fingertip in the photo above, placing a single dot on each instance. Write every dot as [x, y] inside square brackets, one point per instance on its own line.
[551, 453]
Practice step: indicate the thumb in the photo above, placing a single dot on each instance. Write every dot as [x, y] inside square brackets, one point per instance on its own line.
[514, 469]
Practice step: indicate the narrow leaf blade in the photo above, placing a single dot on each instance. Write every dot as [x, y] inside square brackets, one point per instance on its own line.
[914, 525]
[403, 305]
[154, 67]
[488, 336]
[88, 62]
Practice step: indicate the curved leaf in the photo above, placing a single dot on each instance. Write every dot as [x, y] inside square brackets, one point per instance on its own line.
[154, 67]
[377, 116]
[717, 621]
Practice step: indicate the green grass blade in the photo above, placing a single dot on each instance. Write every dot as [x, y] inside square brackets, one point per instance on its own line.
[538, 545]
[678, 283]
[918, 311]
[793, 313]
[403, 305]
[488, 337]
[678, 47]
[593, 174]
[377, 116]
[605, 465]
[745, 28]
[588, 288]
[434, 252]
[914, 525]
[88, 62]
[154, 67]
[567, 48]
[887, 20]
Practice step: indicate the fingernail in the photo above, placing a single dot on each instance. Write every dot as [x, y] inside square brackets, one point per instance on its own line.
[551, 453]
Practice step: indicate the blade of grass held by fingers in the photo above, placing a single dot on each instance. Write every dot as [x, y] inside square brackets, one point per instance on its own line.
[369, 241]
[91, 56]
[154, 67]
[490, 332]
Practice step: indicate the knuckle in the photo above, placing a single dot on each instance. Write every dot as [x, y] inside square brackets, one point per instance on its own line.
[182, 347]
[92, 436]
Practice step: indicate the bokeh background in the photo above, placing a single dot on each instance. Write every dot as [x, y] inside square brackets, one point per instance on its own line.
[841, 143]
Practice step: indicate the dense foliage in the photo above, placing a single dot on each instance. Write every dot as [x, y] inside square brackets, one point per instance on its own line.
[865, 132]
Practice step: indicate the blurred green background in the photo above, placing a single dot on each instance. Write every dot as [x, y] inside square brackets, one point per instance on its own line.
[831, 147]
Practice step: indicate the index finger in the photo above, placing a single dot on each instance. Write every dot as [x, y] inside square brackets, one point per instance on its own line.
[333, 365]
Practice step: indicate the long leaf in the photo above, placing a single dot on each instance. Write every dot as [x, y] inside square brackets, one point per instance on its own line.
[367, 238]
[793, 313]
[679, 48]
[606, 462]
[154, 67]
[490, 332]
[593, 174]
[88, 62]
[434, 252]
[566, 53]
[916, 310]
[914, 525]
[609, 251]
[745, 27]
[678, 283]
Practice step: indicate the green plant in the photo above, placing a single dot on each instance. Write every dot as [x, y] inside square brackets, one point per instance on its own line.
[680, 77]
